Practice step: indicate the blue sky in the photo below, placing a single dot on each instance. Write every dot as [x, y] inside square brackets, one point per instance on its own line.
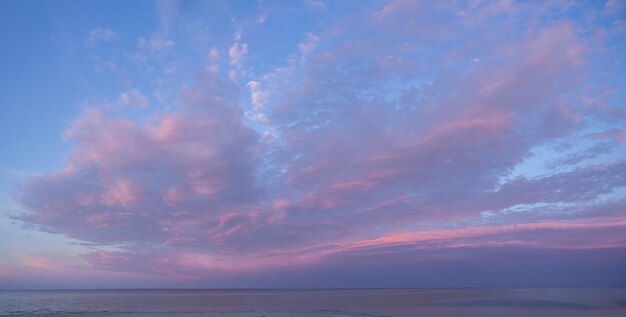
[278, 144]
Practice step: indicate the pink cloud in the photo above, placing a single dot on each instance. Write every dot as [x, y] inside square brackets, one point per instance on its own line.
[616, 134]
[4, 270]
[36, 263]
[545, 235]
[380, 147]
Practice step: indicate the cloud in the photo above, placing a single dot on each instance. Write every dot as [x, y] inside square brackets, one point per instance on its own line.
[132, 98]
[614, 7]
[352, 151]
[151, 180]
[167, 11]
[154, 43]
[237, 52]
[100, 35]
[213, 65]
[258, 96]
[261, 18]
[315, 4]
[387, 142]
[427, 245]
[616, 134]
[36, 263]
[307, 46]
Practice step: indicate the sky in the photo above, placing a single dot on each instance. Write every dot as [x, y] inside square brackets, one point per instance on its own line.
[312, 144]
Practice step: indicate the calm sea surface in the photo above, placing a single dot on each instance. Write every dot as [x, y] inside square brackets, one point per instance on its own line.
[342, 302]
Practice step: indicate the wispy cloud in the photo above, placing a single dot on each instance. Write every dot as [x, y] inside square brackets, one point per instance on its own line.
[395, 131]
[100, 35]
[154, 43]
[132, 98]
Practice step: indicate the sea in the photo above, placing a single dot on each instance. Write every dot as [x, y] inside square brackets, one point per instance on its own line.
[314, 302]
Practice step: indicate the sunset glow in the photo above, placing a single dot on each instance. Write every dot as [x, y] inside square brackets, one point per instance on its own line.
[313, 144]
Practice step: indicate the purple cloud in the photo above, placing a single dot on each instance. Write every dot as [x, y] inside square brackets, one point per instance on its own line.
[374, 146]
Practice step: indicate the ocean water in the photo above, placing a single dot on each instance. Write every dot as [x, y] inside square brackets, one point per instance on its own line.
[332, 302]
